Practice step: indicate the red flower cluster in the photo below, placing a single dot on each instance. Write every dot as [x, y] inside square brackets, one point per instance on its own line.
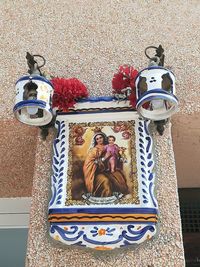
[66, 92]
[125, 78]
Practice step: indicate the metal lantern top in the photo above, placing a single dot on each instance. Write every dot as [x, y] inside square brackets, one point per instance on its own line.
[155, 90]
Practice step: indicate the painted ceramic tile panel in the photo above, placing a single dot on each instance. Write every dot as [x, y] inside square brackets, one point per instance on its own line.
[103, 178]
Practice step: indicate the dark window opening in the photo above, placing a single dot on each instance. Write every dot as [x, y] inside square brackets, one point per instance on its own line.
[167, 82]
[30, 91]
[190, 215]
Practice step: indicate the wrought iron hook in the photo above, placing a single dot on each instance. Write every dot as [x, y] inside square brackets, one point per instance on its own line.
[159, 54]
[34, 68]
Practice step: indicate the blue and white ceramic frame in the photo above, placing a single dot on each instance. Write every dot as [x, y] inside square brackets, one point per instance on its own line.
[125, 224]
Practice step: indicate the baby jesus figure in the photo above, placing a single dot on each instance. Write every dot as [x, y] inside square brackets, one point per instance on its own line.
[112, 153]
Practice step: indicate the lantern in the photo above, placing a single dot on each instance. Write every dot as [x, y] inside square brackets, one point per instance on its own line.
[155, 92]
[33, 98]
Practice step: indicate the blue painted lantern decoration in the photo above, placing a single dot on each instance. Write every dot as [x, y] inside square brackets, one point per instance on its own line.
[33, 96]
[155, 91]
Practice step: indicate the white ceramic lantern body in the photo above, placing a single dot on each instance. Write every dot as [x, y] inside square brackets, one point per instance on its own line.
[155, 92]
[33, 100]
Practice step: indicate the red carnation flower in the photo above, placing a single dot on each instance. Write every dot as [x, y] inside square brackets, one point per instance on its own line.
[125, 78]
[66, 92]
[119, 82]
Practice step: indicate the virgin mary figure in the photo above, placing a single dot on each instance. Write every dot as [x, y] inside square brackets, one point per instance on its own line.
[98, 180]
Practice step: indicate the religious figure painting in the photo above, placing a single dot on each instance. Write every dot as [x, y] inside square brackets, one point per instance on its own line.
[103, 161]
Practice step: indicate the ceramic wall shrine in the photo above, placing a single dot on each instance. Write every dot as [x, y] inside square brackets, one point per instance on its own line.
[103, 165]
